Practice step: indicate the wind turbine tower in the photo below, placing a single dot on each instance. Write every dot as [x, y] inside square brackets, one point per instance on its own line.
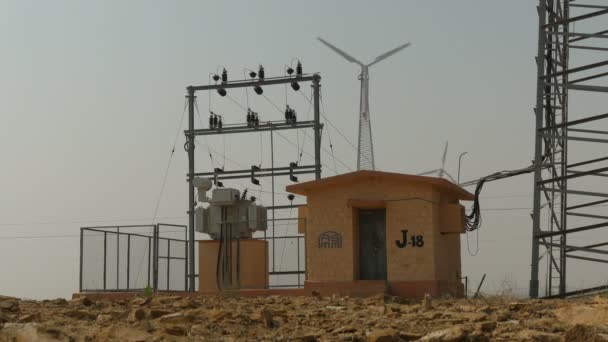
[365, 157]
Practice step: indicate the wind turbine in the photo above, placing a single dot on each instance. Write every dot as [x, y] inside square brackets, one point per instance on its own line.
[365, 157]
[441, 171]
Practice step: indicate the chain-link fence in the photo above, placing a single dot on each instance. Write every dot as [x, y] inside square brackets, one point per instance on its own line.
[133, 258]
[286, 252]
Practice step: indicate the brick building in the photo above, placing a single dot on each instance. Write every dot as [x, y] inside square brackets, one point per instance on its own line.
[371, 230]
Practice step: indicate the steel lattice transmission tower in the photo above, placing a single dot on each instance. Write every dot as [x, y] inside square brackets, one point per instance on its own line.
[365, 156]
[570, 145]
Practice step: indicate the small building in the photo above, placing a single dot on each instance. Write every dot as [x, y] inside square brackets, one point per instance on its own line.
[370, 230]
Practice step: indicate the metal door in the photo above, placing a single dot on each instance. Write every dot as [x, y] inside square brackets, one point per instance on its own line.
[372, 244]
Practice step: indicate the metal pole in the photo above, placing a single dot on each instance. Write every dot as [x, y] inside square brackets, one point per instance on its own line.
[272, 184]
[564, 159]
[479, 287]
[117, 258]
[298, 250]
[128, 259]
[81, 250]
[186, 259]
[155, 260]
[316, 87]
[190, 148]
[459, 160]
[168, 263]
[149, 259]
[538, 157]
[105, 254]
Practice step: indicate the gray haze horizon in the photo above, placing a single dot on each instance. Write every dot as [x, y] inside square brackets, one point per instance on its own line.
[91, 96]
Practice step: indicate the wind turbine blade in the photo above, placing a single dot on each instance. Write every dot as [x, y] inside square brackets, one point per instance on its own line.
[450, 177]
[445, 154]
[339, 52]
[389, 53]
[427, 172]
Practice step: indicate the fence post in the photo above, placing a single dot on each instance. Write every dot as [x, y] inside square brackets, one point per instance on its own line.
[168, 263]
[105, 254]
[155, 259]
[187, 260]
[298, 249]
[80, 266]
[117, 257]
[128, 260]
[149, 258]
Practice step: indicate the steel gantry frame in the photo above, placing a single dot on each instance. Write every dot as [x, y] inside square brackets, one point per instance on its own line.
[269, 126]
[564, 190]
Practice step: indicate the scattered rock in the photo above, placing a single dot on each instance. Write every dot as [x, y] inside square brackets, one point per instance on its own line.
[454, 334]
[81, 314]
[228, 318]
[9, 305]
[136, 315]
[409, 336]
[83, 300]
[382, 335]
[155, 313]
[177, 316]
[103, 318]
[140, 301]
[33, 317]
[486, 327]
[337, 308]
[586, 333]
[540, 336]
[176, 330]
[427, 302]
[267, 318]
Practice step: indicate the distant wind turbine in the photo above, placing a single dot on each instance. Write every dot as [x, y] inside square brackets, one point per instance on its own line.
[365, 157]
[441, 171]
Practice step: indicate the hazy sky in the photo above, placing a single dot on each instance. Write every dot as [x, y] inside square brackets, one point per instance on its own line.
[91, 95]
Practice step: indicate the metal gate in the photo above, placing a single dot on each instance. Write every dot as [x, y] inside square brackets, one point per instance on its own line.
[133, 258]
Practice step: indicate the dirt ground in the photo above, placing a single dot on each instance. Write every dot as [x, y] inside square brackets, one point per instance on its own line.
[379, 318]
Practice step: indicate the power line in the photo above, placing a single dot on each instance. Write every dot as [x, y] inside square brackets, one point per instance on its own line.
[325, 149]
[164, 182]
[39, 223]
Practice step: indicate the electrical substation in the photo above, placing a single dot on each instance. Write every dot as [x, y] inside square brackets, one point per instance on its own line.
[365, 231]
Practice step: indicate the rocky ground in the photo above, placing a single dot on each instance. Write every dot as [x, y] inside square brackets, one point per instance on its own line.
[380, 318]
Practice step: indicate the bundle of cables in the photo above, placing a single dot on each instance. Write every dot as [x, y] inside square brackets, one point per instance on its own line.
[473, 219]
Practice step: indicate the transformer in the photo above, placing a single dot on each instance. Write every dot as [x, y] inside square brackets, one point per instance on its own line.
[241, 217]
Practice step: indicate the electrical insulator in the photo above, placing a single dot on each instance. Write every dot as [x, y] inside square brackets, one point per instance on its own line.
[290, 115]
[252, 198]
[292, 165]
[252, 74]
[291, 197]
[216, 77]
[295, 86]
[224, 76]
[249, 117]
[220, 123]
[289, 70]
[257, 120]
[299, 69]
[261, 73]
[211, 120]
[258, 90]
[215, 121]
[254, 180]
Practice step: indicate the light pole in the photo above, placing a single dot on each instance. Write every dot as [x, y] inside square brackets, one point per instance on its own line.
[459, 160]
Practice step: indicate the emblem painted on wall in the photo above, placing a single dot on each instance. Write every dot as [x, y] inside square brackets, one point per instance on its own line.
[330, 239]
[415, 240]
